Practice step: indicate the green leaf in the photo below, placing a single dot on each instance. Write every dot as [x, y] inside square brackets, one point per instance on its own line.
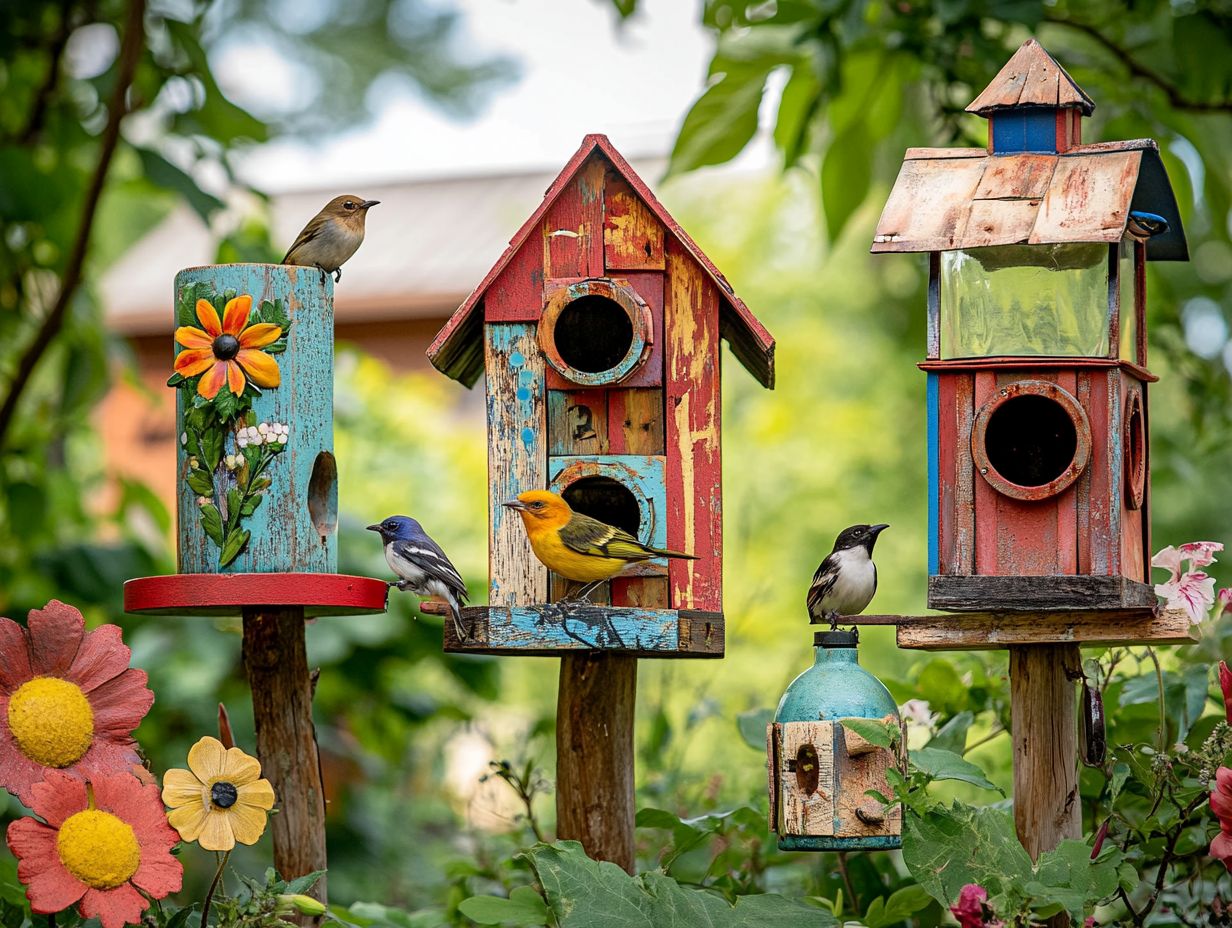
[234, 499]
[174, 381]
[846, 175]
[162, 172]
[752, 725]
[301, 884]
[722, 121]
[524, 908]
[1120, 773]
[211, 447]
[234, 545]
[211, 521]
[874, 731]
[250, 505]
[582, 893]
[952, 736]
[200, 482]
[800, 101]
[939, 764]
[883, 912]
[949, 848]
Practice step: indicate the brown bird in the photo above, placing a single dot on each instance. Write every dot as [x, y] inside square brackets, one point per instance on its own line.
[331, 236]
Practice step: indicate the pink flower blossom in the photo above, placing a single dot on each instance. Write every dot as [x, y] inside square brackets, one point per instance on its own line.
[1225, 684]
[1169, 559]
[1225, 599]
[971, 910]
[1221, 805]
[1201, 553]
[1193, 591]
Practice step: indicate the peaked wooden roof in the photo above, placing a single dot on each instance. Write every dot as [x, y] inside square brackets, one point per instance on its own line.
[457, 350]
[1031, 77]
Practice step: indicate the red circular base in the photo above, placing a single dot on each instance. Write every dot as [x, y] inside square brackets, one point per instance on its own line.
[229, 594]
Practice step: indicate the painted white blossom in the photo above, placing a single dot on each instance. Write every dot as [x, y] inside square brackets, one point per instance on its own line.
[263, 427]
[203, 500]
[183, 438]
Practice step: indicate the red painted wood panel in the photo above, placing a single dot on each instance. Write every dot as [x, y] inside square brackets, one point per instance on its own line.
[1104, 552]
[1133, 562]
[632, 236]
[1026, 532]
[573, 227]
[985, 496]
[693, 411]
[516, 295]
[948, 557]
[1082, 486]
[635, 421]
[1067, 502]
[965, 532]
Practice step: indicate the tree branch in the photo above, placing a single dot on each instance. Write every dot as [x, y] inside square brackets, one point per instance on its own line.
[117, 109]
[38, 110]
[1176, 97]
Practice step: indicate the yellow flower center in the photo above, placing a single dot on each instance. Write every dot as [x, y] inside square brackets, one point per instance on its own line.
[51, 721]
[98, 848]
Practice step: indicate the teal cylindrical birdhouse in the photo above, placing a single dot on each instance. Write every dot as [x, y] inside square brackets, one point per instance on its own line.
[820, 771]
[254, 413]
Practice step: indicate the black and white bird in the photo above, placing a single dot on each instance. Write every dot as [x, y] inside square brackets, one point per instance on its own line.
[847, 579]
[421, 565]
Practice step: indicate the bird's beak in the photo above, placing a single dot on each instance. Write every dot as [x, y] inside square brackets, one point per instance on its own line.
[515, 504]
[374, 528]
[370, 203]
[878, 529]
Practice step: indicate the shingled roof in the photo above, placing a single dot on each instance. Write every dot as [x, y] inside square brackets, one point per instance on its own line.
[457, 350]
[1031, 77]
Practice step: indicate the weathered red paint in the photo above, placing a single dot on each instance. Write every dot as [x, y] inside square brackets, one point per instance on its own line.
[230, 594]
[517, 293]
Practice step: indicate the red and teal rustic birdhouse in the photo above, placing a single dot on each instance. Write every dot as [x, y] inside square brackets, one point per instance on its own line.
[1039, 489]
[598, 334]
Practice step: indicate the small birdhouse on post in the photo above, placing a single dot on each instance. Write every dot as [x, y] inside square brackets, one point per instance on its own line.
[598, 333]
[1039, 491]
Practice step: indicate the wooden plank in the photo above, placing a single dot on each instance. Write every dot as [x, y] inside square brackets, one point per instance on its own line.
[1023, 177]
[1067, 501]
[1110, 428]
[276, 663]
[985, 529]
[694, 409]
[1082, 486]
[573, 226]
[556, 628]
[806, 777]
[774, 732]
[950, 556]
[595, 705]
[1047, 806]
[1114, 301]
[649, 286]
[635, 421]
[1034, 594]
[632, 236]
[577, 422]
[859, 768]
[284, 535]
[1090, 195]
[1099, 521]
[516, 295]
[517, 457]
[933, 455]
[640, 592]
[927, 209]
[996, 222]
[983, 631]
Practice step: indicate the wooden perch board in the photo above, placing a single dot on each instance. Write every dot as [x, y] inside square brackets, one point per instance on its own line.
[974, 631]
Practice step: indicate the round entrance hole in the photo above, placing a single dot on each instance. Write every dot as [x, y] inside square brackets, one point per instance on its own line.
[607, 500]
[593, 334]
[1031, 441]
[1133, 452]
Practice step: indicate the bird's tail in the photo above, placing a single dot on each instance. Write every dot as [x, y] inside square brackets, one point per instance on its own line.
[455, 613]
[679, 555]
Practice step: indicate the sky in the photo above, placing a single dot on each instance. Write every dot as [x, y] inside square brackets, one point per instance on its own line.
[633, 83]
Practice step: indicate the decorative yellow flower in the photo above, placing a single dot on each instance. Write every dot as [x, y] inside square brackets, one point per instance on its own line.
[219, 800]
[227, 351]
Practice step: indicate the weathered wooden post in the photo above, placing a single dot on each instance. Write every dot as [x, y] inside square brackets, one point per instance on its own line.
[1039, 490]
[258, 508]
[598, 331]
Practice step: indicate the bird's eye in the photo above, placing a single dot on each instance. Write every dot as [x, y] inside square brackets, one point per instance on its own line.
[349, 205]
[536, 505]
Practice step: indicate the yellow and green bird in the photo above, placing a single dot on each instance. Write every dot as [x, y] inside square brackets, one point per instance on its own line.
[574, 545]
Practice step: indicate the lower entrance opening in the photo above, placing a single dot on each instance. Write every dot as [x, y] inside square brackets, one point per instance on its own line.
[593, 334]
[1031, 440]
[607, 500]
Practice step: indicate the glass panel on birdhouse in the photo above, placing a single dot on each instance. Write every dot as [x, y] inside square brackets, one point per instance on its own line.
[1025, 300]
[1129, 315]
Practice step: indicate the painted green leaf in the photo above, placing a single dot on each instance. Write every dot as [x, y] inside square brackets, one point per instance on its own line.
[211, 447]
[200, 483]
[940, 764]
[524, 908]
[211, 521]
[233, 546]
[582, 893]
[874, 731]
[250, 505]
[234, 501]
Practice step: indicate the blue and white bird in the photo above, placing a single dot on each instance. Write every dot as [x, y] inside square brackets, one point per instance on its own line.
[421, 565]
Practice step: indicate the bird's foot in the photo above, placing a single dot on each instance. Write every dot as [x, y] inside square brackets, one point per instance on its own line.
[338, 275]
[582, 596]
[400, 584]
[324, 274]
[832, 618]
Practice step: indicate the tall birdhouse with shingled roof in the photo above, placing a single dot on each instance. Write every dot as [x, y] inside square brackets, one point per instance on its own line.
[598, 334]
[1039, 491]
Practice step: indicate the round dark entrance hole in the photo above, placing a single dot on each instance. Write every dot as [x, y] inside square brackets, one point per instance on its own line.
[593, 334]
[607, 500]
[1030, 440]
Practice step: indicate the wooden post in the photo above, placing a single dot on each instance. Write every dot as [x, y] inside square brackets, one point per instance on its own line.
[276, 661]
[1047, 807]
[594, 754]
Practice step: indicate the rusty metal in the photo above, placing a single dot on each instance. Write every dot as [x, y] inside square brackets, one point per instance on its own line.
[1072, 408]
[1031, 77]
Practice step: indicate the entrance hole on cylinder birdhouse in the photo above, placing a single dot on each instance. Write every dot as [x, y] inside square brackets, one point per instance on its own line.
[593, 334]
[1030, 440]
[808, 770]
[323, 495]
[607, 500]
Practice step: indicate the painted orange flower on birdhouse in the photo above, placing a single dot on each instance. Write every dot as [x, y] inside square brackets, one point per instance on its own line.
[68, 700]
[227, 351]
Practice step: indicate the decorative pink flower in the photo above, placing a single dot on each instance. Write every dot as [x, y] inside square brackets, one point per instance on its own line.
[1225, 599]
[68, 699]
[102, 846]
[1169, 559]
[1225, 684]
[970, 909]
[1221, 805]
[1201, 553]
[1193, 591]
